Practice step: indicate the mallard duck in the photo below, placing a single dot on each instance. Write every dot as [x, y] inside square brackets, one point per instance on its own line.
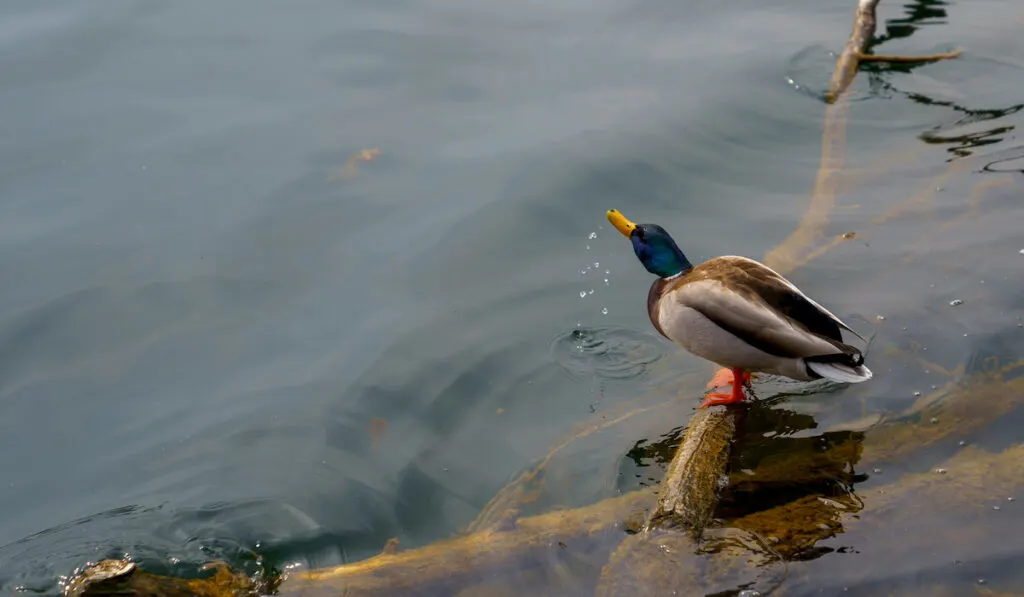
[740, 314]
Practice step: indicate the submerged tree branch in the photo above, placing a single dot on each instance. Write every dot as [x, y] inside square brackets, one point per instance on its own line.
[855, 51]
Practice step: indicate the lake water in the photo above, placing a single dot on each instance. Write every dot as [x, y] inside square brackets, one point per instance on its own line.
[284, 280]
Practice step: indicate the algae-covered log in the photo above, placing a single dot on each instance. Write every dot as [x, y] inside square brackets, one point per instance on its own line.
[897, 522]
[690, 488]
[527, 544]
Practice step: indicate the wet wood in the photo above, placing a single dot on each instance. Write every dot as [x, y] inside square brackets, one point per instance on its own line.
[910, 59]
[689, 491]
[531, 544]
[864, 22]
[855, 51]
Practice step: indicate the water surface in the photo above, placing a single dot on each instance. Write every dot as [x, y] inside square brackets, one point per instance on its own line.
[205, 311]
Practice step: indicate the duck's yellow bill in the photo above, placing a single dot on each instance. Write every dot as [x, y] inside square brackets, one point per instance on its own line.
[620, 222]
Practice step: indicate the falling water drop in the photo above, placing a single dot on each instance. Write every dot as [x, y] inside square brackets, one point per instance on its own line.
[935, 420]
[597, 264]
[591, 291]
[940, 471]
[592, 236]
[604, 311]
[583, 294]
[955, 303]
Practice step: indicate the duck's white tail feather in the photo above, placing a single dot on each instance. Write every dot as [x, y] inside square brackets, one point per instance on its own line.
[840, 372]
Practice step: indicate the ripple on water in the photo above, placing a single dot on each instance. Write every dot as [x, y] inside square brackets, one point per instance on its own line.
[608, 352]
[809, 72]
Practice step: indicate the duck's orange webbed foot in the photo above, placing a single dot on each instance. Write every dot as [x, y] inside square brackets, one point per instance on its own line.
[723, 377]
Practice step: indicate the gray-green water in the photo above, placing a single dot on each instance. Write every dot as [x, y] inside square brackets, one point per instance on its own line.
[202, 313]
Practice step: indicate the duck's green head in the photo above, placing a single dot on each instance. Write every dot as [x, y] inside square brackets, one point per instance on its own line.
[653, 246]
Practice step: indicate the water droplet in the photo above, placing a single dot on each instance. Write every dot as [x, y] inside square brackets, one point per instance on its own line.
[963, 443]
[880, 317]
[965, 335]
[996, 508]
[877, 471]
[591, 291]
[748, 593]
[604, 311]
[935, 420]
[1009, 499]
[588, 247]
[592, 236]
[597, 264]
[606, 283]
[583, 294]
[607, 271]
[981, 581]
[982, 281]
[1021, 251]
[955, 303]
[940, 471]
[916, 394]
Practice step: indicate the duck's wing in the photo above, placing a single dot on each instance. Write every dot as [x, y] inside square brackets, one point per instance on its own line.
[757, 305]
[783, 296]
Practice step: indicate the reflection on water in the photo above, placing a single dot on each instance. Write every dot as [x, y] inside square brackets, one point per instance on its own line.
[918, 14]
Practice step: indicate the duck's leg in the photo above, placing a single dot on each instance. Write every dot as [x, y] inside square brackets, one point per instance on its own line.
[736, 377]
